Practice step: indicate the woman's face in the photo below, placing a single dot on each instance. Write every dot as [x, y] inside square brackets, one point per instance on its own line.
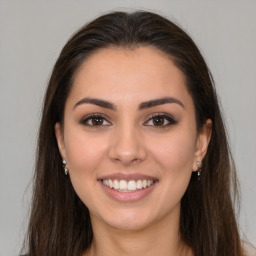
[130, 138]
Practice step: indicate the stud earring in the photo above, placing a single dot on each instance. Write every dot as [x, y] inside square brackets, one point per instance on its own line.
[64, 162]
[199, 165]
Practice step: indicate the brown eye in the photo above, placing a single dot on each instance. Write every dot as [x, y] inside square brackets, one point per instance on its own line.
[95, 120]
[158, 120]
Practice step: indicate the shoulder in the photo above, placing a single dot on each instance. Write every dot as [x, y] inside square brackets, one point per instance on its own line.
[249, 250]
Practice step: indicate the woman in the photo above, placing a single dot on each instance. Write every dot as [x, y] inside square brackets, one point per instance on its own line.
[132, 155]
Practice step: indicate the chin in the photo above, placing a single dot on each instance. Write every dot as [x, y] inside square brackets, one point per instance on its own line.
[129, 219]
[130, 224]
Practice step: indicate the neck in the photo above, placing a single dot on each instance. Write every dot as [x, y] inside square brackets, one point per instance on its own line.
[160, 239]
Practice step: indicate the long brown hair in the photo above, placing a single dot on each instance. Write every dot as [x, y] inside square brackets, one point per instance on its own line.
[59, 222]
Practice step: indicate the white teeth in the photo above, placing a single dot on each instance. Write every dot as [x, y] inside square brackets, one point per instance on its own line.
[130, 186]
[105, 182]
[110, 184]
[139, 184]
[116, 184]
[123, 184]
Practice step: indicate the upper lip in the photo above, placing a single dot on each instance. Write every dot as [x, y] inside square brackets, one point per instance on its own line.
[127, 177]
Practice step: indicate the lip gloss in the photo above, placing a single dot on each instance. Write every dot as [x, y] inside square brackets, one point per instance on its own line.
[127, 196]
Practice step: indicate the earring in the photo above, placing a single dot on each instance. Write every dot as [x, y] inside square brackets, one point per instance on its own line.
[64, 162]
[199, 165]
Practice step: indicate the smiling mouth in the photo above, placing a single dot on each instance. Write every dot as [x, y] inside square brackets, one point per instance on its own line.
[127, 186]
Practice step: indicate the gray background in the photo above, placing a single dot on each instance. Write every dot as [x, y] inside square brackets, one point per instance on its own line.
[32, 34]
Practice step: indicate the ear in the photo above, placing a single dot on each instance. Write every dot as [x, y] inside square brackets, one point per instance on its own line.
[202, 143]
[60, 140]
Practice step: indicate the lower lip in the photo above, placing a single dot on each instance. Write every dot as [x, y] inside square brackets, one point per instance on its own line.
[127, 196]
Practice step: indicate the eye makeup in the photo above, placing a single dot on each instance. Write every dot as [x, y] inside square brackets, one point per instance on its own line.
[157, 120]
[160, 120]
[95, 120]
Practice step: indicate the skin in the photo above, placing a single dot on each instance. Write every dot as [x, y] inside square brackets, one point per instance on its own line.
[128, 142]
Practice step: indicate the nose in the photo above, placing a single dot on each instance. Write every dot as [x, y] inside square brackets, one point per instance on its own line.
[127, 146]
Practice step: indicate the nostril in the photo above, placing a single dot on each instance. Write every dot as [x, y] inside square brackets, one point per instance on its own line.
[126, 147]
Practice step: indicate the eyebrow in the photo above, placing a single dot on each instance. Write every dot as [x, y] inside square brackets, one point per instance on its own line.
[98, 102]
[143, 105]
[157, 102]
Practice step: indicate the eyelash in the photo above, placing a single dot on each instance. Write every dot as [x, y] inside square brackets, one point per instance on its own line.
[90, 117]
[168, 118]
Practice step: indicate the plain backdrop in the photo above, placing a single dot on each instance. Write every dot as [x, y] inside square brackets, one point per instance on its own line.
[32, 34]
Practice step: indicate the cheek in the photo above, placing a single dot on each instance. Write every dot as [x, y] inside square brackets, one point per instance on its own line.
[175, 153]
[84, 156]
[84, 153]
[174, 158]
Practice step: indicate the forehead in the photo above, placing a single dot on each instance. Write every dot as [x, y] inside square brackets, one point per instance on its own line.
[118, 73]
